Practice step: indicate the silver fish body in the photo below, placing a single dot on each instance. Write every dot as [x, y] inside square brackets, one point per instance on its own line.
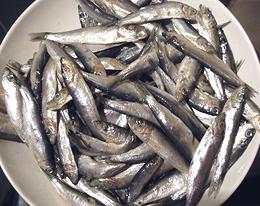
[233, 110]
[166, 10]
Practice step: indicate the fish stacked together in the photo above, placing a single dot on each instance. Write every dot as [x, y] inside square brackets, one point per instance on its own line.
[136, 107]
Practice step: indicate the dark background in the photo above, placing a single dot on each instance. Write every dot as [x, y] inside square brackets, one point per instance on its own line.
[247, 12]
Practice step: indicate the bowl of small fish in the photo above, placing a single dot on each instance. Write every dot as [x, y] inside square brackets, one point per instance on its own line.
[141, 102]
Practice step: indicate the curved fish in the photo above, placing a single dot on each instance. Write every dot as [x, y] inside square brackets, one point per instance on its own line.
[138, 154]
[121, 180]
[162, 11]
[49, 88]
[203, 160]
[93, 169]
[233, 109]
[161, 145]
[142, 178]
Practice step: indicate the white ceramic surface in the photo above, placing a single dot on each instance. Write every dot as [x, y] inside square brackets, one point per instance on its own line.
[60, 15]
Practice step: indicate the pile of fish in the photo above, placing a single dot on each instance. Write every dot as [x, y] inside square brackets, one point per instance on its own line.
[140, 106]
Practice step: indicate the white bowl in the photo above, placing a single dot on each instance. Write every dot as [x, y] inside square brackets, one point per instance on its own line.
[59, 15]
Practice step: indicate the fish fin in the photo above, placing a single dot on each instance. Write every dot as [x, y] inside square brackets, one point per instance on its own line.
[251, 91]
[239, 64]
[37, 36]
[224, 24]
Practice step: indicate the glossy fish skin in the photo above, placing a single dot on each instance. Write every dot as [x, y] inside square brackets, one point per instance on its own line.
[97, 193]
[60, 99]
[71, 195]
[143, 64]
[225, 51]
[233, 109]
[138, 154]
[49, 88]
[209, 60]
[204, 102]
[114, 134]
[90, 61]
[244, 136]
[165, 62]
[152, 136]
[142, 178]
[65, 152]
[207, 27]
[174, 54]
[181, 27]
[81, 94]
[121, 180]
[173, 184]
[114, 117]
[141, 3]
[128, 54]
[112, 64]
[252, 113]
[166, 10]
[36, 137]
[85, 19]
[174, 127]
[203, 160]
[188, 75]
[169, 84]
[126, 90]
[39, 61]
[251, 110]
[94, 12]
[7, 131]
[93, 169]
[95, 35]
[96, 145]
[180, 110]
[119, 8]
[204, 86]
[206, 119]
[157, 80]
[132, 108]
[13, 101]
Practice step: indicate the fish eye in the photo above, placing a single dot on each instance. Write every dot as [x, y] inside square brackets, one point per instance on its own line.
[250, 133]
[10, 77]
[184, 91]
[193, 11]
[240, 96]
[140, 122]
[215, 110]
[58, 94]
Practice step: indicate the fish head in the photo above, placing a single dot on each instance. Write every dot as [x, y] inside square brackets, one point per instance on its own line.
[189, 12]
[69, 70]
[10, 81]
[205, 18]
[182, 89]
[139, 126]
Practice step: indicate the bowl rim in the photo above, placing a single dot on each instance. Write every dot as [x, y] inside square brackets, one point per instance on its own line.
[234, 20]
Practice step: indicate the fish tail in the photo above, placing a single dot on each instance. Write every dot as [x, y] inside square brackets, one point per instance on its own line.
[38, 36]
[251, 91]
[239, 64]
[224, 24]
